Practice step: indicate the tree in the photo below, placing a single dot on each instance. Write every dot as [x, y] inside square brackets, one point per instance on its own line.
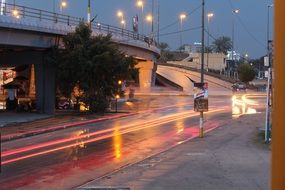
[163, 46]
[222, 45]
[166, 54]
[246, 72]
[94, 65]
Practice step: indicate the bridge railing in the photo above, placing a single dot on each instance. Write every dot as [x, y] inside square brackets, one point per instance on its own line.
[22, 12]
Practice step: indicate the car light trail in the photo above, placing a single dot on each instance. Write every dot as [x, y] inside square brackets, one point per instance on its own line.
[126, 130]
[54, 128]
[51, 143]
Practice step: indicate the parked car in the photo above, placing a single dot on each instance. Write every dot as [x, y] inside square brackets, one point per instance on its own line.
[239, 86]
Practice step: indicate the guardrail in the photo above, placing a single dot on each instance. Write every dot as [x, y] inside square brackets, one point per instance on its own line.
[22, 12]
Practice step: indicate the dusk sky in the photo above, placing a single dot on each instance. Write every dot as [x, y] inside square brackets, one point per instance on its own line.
[250, 23]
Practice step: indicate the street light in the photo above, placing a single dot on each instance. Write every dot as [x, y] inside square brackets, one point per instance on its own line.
[149, 18]
[123, 23]
[62, 5]
[182, 17]
[89, 13]
[120, 15]
[140, 4]
[236, 11]
[209, 16]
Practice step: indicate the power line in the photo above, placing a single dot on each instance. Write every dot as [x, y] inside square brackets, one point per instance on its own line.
[245, 27]
[176, 32]
[177, 20]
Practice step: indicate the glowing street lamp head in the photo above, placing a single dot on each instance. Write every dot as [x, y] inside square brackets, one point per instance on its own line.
[120, 14]
[182, 16]
[149, 18]
[63, 4]
[16, 13]
[140, 3]
[210, 15]
[123, 22]
[236, 11]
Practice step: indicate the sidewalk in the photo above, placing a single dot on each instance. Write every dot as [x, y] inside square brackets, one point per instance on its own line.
[230, 157]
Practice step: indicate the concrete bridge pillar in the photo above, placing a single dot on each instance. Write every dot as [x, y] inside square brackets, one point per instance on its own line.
[45, 87]
[145, 74]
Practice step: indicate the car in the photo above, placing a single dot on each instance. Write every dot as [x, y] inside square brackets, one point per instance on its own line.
[239, 86]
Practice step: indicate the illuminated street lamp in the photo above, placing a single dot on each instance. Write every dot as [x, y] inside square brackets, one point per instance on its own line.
[182, 17]
[123, 23]
[63, 4]
[236, 11]
[149, 18]
[15, 13]
[140, 4]
[209, 16]
[120, 14]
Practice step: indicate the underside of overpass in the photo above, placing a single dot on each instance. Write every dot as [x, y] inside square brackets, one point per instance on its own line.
[35, 77]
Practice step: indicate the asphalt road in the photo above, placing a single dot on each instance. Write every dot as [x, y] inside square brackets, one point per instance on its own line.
[68, 158]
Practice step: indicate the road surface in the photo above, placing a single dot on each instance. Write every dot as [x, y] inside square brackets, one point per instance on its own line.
[68, 158]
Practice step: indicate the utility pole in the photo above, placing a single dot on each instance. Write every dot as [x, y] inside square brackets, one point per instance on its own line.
[152, 14]
[158, 20]
[201, 129]
[269, 82]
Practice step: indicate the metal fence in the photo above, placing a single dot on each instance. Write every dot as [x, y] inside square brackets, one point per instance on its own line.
[22, 12]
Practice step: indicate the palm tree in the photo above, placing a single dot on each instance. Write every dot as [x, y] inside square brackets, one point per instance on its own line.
[222, 45]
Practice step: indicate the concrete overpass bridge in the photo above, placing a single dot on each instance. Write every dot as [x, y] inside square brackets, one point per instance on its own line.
[179, 76]
[27, 34]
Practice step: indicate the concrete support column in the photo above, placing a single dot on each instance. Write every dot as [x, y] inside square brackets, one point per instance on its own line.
[278, 137]
[145, 74]
[45, 87]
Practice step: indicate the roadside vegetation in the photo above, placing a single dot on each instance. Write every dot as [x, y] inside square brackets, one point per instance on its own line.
[89, 68]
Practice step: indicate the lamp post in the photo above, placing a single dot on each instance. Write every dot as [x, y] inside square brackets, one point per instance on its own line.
[149, 18]
[89, 13]
[152, 13]
[269, 81]
[123, 23]
[120, 15]
[182, 16]
[234, 12]
[62, 5]
[117, 97]
[209, 16]
[140, 4]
